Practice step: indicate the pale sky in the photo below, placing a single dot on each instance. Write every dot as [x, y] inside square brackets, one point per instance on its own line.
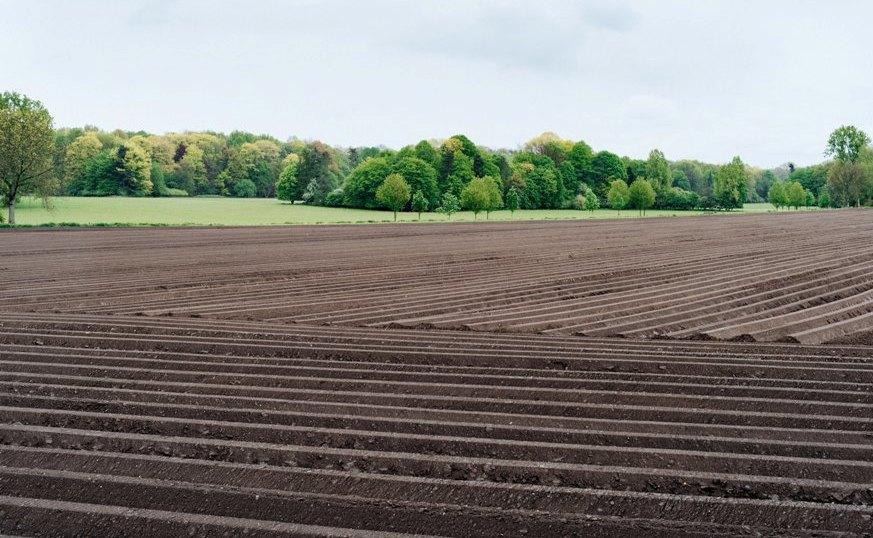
[704, 79]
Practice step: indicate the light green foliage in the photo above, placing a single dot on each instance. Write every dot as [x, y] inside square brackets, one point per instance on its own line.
[78, 153]
[730, 184]
[824, 199]
[393, 193]
[450, 205]
[512, 199]
[776, 195]
[419, 203]
[796, 194]
[26, 148]
[481, 194]
[658, 171]
[190, 173]
[227, 211]
[457, 167]
[286, 187]
[641, 195]
[550, 145]
[846, 143]
[592, 202]
[134, 170]
[618, 196]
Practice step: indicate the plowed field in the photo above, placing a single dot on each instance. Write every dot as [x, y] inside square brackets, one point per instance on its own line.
[455, 380]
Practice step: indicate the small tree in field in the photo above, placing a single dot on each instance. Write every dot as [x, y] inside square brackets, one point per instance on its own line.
[26, 144]
[776, 195]
[591, 202]
[796, 194]
[641, 195]
[450, 205]
[618, 195]
[512, 200]
[419, 203]
[393, 193]
[481, 194]
[824, 199]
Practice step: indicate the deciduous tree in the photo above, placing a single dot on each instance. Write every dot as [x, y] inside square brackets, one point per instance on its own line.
[641, 195]
[26, 147]
[730, 184]
[450, 205]
[393, 193]
[419, 203]
[618, 195]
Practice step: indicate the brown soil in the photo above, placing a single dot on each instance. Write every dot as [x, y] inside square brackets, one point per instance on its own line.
[457, 380]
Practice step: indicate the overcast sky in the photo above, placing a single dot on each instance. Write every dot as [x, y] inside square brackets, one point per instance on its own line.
[767, 80]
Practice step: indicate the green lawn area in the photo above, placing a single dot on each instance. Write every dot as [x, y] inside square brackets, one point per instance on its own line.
[259, 211]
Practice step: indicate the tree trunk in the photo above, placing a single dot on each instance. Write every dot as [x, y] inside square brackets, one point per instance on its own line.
[11, 208]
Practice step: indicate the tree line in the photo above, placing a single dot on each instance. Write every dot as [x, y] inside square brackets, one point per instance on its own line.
[547, 172]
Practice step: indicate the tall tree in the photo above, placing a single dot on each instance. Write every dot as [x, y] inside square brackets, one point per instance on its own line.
[78, 154]
[26, 147]
[286, 187]
[846, 143]
[730, 184]
[658, 171]
[605, 167]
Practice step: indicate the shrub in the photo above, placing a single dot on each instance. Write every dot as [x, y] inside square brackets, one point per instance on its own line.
[244, 188]
[335, 198]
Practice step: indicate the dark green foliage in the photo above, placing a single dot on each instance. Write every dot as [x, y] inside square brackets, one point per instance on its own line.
[636, 168]
[427, 153]
[681, 180]
[762, 185]
[813, 178]
[581, 157]
[676, 198]
[606, 167]
[244, 188]
[421, 177]
[361, 185]
[335, 198]
[318, 171]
